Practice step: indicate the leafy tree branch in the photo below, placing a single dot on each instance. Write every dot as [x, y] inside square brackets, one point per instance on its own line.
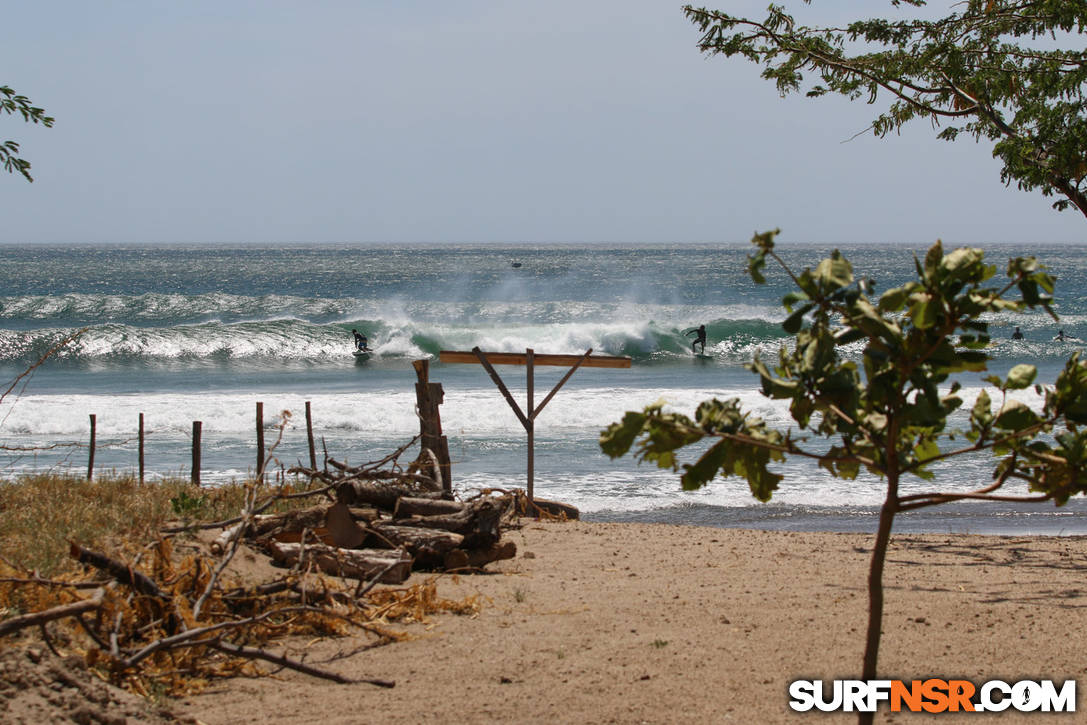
[16, 104]
[989, 69]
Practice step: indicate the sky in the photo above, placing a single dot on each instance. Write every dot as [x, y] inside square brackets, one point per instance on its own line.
[460, 121]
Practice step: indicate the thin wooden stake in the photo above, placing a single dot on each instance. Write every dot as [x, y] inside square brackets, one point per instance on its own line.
[530, 426]
[90, 458]
[141, 447]
[197, 427]
[309, 437]
[260, 441]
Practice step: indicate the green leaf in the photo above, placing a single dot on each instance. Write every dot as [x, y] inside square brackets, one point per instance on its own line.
[932, 259]
[1021, 376]
[893, 299]
[834, 272]
[926, 449]
[925, 313]
[982, 413]
[617, 438]
[702, 472]
[792, 298]
[794, 321]
[960, 260]
[1015, 416]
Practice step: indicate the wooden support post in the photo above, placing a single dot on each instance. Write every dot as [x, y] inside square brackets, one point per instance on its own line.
[197, 427]
[428, 397]
[260, 442]
[309, 437]
[90, 457]
[141, 436]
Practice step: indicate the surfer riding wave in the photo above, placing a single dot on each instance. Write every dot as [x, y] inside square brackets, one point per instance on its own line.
[699, 340]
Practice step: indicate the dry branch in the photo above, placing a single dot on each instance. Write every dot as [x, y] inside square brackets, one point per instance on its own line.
[258, 654]
[65, 610]
[118, 570]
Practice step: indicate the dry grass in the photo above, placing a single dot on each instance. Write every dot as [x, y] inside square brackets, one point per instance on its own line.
[40, 514]
[187, 620]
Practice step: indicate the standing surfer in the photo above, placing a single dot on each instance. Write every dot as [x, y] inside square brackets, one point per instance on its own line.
[701, 339]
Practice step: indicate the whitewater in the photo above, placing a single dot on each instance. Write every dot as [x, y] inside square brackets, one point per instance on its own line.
[203, 332]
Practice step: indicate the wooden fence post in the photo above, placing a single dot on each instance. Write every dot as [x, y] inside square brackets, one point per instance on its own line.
[260, 441]
[196, 430]
[141, 447]
[90, 458]
[309, 436]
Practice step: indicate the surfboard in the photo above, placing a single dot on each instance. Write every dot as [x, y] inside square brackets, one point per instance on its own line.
[703, 356]
[363, 354]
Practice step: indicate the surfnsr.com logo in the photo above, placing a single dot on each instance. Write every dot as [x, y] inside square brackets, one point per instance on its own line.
[932, 695]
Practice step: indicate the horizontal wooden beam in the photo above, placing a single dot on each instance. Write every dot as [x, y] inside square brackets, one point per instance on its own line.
[520, 358]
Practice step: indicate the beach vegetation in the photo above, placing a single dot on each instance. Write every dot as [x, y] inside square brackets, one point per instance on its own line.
[17, 104]
[41, 513]
[872, 382]
[1006, 72]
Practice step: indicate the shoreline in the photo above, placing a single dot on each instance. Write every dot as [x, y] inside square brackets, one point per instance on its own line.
[597, 622]
[984, 519]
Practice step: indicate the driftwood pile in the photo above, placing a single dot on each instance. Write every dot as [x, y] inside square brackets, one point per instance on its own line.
[380, 526]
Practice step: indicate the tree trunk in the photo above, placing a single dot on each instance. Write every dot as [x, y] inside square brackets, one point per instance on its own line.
[350, 563]
[875, 587]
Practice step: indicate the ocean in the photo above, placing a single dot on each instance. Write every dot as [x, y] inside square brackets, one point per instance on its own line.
[185, 332]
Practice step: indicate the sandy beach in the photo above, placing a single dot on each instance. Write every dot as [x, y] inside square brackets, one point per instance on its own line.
[640, 623]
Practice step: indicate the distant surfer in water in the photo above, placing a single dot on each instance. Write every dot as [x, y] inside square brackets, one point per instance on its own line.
[700, 340]
[1017, 335]
[360, 341]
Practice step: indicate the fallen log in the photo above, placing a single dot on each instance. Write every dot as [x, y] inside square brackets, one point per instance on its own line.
[382, 495]
[427, 546]
[477, 521]
[542, 508]
[269, 525]
[287, 526]
[393, 565]
[408, 506]
[477, 558]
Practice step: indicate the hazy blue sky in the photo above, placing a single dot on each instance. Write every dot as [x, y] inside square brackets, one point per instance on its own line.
[275, 121]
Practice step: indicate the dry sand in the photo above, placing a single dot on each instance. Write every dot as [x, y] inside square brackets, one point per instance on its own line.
[632, 623]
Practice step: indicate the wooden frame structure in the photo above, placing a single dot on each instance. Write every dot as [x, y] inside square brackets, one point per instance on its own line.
[530, 360]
